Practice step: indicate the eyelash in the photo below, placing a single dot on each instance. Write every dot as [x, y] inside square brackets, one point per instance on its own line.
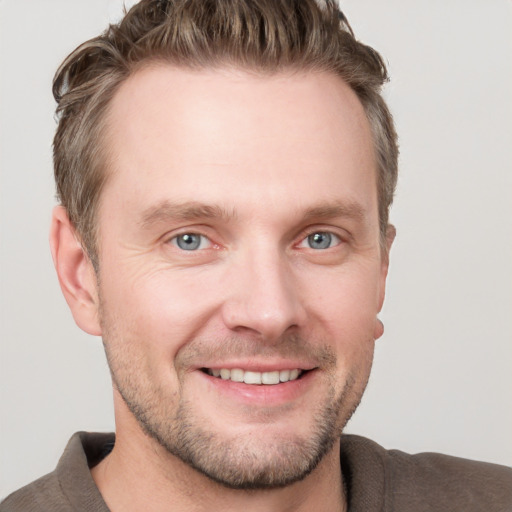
[304, 242]
[175, 241]
[331, 237]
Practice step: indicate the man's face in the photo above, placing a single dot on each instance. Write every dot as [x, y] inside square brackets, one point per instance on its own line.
[239, 236]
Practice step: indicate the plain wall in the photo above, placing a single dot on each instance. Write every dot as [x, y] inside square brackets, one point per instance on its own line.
[442, 378]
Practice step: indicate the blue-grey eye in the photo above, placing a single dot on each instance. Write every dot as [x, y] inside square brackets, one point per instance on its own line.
[321, 240]
[189, 241]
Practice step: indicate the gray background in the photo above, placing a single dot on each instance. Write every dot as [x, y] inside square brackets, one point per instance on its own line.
[442, 378]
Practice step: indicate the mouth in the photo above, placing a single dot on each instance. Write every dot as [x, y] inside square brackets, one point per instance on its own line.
[256, 378]
[262, 384]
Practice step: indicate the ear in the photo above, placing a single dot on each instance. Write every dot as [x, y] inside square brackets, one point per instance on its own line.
[77, 277]
[390, 237]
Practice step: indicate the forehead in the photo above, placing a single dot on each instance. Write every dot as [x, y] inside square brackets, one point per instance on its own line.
[227, 135]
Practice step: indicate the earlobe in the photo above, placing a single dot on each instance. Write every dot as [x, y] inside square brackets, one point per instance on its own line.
[379, 329]
[75, 271]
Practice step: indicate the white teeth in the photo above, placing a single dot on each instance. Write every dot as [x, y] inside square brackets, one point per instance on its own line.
[284, 375]
[267, 378]
[252, 377]
[237, 375]
[270, 378]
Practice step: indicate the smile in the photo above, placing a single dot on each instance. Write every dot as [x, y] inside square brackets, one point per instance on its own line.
[256, 378]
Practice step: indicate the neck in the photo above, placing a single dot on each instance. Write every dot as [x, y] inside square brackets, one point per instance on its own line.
[141, 475]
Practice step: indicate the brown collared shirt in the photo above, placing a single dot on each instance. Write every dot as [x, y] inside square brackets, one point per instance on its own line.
[376, 480]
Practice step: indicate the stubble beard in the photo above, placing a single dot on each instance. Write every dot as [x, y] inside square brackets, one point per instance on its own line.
[244, 463]
[241, 463]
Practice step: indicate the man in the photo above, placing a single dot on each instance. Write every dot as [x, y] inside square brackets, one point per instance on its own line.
[225, 171]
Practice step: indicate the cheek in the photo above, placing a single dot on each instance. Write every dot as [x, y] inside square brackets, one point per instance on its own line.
[344, 314]
[161, 308]
[346, 301]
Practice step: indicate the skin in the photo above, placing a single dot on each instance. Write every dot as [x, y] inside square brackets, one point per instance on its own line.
[255, 165]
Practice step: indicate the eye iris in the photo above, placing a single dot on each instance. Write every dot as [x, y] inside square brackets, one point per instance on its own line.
[188, 242]
[319, 240]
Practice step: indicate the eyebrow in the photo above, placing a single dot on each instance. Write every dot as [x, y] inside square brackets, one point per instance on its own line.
[349, 209]
[192, 210]
[189, 210]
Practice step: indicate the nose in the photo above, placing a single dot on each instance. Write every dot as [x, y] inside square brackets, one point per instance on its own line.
[263, 296]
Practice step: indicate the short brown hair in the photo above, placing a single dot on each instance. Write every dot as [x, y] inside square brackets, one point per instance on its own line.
[262, 35]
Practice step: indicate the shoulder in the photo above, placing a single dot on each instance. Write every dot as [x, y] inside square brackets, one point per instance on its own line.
[469, 484]
[428, 481]
[70, 486]
[41, 495]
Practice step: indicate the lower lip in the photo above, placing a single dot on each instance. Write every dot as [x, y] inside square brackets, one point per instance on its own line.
[261, 394]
